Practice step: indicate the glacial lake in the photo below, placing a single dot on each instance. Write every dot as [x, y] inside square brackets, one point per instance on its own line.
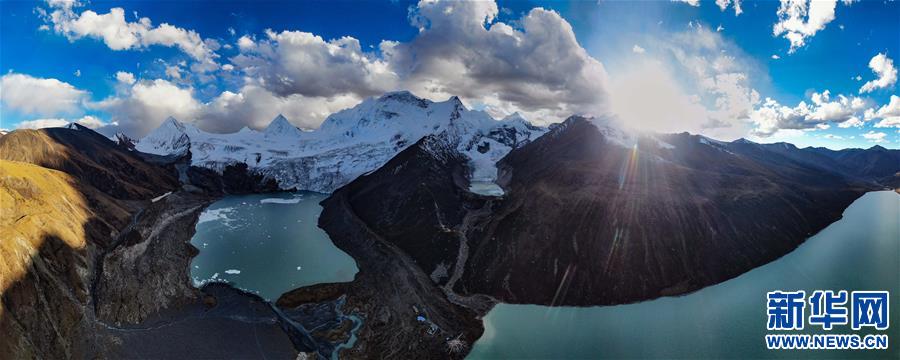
[859, 252]
[267, 244]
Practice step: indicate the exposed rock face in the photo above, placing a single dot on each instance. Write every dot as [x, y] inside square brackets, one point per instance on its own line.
[89, 157]
[58, 225]
[588, 222]
[49, 234]
[594, 216]
[133, 282]
[86, 256]
[391, 288]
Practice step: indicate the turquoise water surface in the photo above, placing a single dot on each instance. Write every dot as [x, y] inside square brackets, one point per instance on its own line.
[728, 320]
[268, 244]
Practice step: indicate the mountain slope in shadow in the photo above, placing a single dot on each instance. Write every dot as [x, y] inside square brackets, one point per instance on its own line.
[591, 218]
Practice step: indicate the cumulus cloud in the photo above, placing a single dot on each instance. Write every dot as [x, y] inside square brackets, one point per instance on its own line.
[637, 49]
[295, 62]
[119, 34]
[723, 5]
[461, 50]
[882, 66]
[144, 105]
[772, 116]
[694, 3]
[889, 114]
[875, 137]
[255, 107]
[802, 19]
[125, 77]
[88, 121]
[853, 121]
[46, 97]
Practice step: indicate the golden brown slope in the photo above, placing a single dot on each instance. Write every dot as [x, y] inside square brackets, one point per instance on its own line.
[49, 234]
[89, 157]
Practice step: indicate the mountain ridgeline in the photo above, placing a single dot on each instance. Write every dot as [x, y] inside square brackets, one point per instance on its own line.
[96, 232]
[594, 216]
[349, 143]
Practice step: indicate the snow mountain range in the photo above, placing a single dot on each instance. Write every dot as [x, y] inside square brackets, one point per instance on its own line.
[349, 143]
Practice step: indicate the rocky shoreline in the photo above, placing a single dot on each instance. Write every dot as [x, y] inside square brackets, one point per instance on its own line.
[145, 299]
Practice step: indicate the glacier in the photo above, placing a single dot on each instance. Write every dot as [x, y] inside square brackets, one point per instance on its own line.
[349, 143]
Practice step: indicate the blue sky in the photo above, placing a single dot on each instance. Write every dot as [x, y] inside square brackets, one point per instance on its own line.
[639, 47]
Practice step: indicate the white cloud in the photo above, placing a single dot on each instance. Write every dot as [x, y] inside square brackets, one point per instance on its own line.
[694, 3]
[891, 109]
[295, 62]
[77, 73]
[824, 109]
[772, 116]
[889, 114]
[723, 5]
[461, 50]
[875, 137]
[882, 66]
[833, 137]
[853, 121]
[255, 107]
[888, 122]
[174, 72]
[144, 105]
[801, 19]
[775, 57]
[125, 77]
[119, 34]
[88, 121]
[637, 49]
[47, 97]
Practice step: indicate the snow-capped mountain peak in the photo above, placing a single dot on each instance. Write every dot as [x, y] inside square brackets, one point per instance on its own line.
[170, 138]
[281, 127]
[350, 142]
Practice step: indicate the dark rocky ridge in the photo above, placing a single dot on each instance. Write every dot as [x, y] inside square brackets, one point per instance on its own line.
[391, 288]
[126, 291]
[128, 294]
[585, 221]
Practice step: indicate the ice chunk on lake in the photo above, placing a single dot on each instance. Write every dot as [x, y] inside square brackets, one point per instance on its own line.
[295, 200]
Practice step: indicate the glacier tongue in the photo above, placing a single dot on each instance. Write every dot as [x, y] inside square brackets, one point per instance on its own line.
[349, 143]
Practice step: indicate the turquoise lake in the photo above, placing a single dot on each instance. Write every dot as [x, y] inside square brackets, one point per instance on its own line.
[267, 244]
[859, 252]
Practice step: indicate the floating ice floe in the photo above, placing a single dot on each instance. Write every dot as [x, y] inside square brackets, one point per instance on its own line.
[216, 214]
[232, 272]
[295, 200]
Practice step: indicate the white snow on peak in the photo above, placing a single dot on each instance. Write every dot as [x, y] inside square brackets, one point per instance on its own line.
[614, 132]
[349, 142]
[281, 127]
